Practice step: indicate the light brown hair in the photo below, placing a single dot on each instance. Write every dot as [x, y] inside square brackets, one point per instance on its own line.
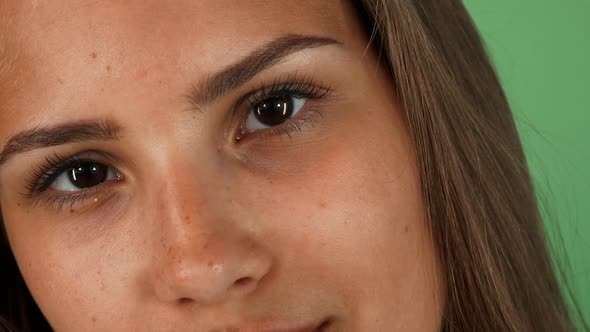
[480, 202]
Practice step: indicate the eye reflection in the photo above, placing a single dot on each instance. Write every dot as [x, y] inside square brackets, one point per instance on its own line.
[274, 111]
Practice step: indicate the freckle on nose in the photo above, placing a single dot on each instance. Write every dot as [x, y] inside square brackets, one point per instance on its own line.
[93, 55]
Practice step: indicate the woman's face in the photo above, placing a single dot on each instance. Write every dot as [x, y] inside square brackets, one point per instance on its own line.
[211, 166]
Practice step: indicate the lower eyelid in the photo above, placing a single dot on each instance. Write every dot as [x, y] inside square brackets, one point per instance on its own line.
[78, 201]
[307, 120]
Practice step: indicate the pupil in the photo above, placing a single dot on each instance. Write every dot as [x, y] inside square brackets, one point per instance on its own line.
[274, 111]
[88, 174]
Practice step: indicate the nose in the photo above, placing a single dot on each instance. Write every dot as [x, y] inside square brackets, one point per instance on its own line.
[212, 268]
[203, 255]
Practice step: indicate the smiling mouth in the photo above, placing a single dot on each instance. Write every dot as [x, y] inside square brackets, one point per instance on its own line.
[322, 327]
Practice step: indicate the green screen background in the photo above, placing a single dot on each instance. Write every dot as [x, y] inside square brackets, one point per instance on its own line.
[541, 50]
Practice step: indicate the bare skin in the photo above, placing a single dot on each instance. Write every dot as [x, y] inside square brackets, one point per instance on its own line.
[203, 221]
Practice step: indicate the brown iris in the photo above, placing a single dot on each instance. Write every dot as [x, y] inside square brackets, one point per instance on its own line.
[274, 111]
[88, 174]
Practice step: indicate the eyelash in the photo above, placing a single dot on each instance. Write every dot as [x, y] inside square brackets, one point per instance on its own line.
[46, 173]
[54, 166]
[43, 177]
[299, 88]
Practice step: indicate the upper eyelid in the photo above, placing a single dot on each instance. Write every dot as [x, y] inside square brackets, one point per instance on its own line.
[260, 59]
[288, 84]
[261, 90]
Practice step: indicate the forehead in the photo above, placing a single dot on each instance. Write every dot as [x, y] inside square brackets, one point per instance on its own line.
[84, 46]
[198, 12]
[60, 28]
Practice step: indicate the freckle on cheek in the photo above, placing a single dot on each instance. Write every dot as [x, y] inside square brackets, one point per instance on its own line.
[109, 68]
[323, 204]
[93, 55]
[141, 75]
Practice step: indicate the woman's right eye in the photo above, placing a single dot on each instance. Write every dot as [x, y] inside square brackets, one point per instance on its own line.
[84, 175]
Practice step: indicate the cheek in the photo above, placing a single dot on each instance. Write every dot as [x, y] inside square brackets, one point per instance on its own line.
[346, 209]
[358, 181]
[353, 221]
[76, 281]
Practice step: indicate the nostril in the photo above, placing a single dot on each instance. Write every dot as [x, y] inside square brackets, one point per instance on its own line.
[185, 300]
[245, 281]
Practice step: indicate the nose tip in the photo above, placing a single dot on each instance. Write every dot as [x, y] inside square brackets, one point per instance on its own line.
[211, 276]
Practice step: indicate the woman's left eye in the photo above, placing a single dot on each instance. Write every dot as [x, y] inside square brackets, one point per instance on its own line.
[273, 111]
[85, 175]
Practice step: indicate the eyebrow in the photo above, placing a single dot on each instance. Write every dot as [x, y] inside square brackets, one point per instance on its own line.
[262, 58]
[201, 94]
[72, 132]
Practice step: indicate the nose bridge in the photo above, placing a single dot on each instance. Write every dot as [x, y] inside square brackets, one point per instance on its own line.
[186, 202]
[185, 192]
[201, 253]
